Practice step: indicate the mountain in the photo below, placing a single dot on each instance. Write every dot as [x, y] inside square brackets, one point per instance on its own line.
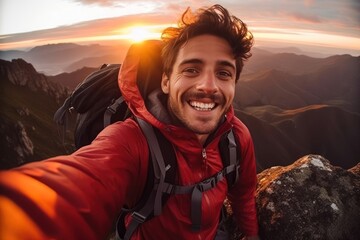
[333, 80]
[262, 60]
[280, 136]
[297, 51]
[54, 59]
[28, 101]
[93, 62]
[288, 112]
[72, 79]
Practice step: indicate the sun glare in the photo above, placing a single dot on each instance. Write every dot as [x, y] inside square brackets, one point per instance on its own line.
[139, 34]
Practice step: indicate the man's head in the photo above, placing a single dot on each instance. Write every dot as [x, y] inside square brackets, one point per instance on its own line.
[202, 62]
[214, 20]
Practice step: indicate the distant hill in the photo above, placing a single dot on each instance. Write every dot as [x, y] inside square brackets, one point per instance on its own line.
[72, 79]
[296, 64]
[280, 136]
[93, 62]
[334, 80]
[54, 59]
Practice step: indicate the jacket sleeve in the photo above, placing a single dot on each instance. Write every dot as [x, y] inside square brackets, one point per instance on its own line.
[76, 196]
[242, 194]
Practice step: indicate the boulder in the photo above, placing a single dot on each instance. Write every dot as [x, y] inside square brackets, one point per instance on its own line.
[309, 199]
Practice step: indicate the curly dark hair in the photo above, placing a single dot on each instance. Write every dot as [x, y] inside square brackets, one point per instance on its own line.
[215, 20]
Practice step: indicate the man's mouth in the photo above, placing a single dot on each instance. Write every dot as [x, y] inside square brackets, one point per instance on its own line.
[200, 106]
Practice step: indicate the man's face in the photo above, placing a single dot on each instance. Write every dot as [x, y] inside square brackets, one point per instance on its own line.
[202, 84]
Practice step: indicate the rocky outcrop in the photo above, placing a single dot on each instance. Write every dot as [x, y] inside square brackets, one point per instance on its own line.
[15, 143]
[310, 199]
[28, 102]
[21, 73]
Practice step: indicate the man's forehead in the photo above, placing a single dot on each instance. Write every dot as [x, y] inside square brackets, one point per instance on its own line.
[205, 47]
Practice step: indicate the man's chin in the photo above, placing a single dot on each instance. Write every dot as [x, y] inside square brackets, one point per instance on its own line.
[203, 128]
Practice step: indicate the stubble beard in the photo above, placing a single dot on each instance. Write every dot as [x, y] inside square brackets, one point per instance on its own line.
[180, 120]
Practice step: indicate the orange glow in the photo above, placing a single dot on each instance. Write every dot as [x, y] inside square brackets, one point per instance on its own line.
[309, 37]
[138, 33]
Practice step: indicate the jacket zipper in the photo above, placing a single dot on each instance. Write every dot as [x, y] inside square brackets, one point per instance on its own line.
[204, 160]
[203, 153]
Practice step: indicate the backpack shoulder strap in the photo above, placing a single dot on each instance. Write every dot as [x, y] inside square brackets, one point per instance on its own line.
[162, 167]
[153, 202]
[230, 151]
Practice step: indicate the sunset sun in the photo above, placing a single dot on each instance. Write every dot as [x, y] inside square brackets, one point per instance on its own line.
[139, 34]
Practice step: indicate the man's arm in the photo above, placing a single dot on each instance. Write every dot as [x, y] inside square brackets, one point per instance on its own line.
[76, 196]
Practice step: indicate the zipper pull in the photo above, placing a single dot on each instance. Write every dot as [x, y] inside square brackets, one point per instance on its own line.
[203, 153]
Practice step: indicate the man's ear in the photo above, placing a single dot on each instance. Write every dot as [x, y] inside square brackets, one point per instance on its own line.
[165, 84]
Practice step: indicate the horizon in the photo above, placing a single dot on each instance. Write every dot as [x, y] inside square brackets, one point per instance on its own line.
[311, 26]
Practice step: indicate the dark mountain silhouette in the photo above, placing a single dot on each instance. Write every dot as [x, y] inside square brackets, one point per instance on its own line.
[282, 136]
[72, 79]
[93, 62]
[289, 62]
[335, 81]
[28, 101]
[297, 51]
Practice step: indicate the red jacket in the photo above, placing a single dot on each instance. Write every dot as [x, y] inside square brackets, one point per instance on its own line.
[78, 196]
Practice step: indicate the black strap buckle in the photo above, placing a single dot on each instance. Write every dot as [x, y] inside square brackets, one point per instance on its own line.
[207, 184]
[138, 217]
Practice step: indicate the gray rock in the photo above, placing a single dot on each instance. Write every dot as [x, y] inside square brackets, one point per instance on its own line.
[21, 73]
[16, 145]
[310, 199]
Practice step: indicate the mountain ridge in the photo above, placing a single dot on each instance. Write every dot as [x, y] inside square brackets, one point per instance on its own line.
[289, 137]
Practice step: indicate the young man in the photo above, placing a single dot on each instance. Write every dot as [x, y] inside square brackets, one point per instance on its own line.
[78, 196]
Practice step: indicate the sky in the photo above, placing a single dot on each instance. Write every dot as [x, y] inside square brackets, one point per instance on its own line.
[328, 26]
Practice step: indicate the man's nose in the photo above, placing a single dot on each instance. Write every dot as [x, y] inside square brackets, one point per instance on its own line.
[208, 83]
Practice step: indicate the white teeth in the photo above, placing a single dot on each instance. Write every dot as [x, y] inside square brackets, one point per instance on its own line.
[202, 106]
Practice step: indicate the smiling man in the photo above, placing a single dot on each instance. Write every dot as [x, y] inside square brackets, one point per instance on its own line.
[78, 196]
[201, 86]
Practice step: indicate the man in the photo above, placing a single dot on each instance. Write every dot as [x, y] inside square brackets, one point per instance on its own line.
[78, 196]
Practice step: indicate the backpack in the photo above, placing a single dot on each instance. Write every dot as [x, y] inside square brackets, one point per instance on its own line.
[98, 103]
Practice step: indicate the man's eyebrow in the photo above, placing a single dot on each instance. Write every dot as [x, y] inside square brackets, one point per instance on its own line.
[227, 64]
[191, 61]
[199, 61]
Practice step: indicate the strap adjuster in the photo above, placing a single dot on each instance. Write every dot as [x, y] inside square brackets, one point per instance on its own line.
[207, 184]
[138, 217]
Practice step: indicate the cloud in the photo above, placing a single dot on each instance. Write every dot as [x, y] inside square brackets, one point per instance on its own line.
[301, 17]
[91, 31]
[309, 2]
[98, 2]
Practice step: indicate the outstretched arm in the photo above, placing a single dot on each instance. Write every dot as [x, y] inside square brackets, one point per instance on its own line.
[76, 196]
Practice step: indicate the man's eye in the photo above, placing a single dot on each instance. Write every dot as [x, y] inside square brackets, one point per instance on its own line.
[224, 75]
[190, 71]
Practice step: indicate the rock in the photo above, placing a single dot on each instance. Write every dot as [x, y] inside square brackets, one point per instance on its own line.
[16, 146]
[21, 73]
[355, 169]
[310, 199]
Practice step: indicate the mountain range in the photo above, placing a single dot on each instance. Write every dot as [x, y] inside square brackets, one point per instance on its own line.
[293, 104]
[53, 59]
